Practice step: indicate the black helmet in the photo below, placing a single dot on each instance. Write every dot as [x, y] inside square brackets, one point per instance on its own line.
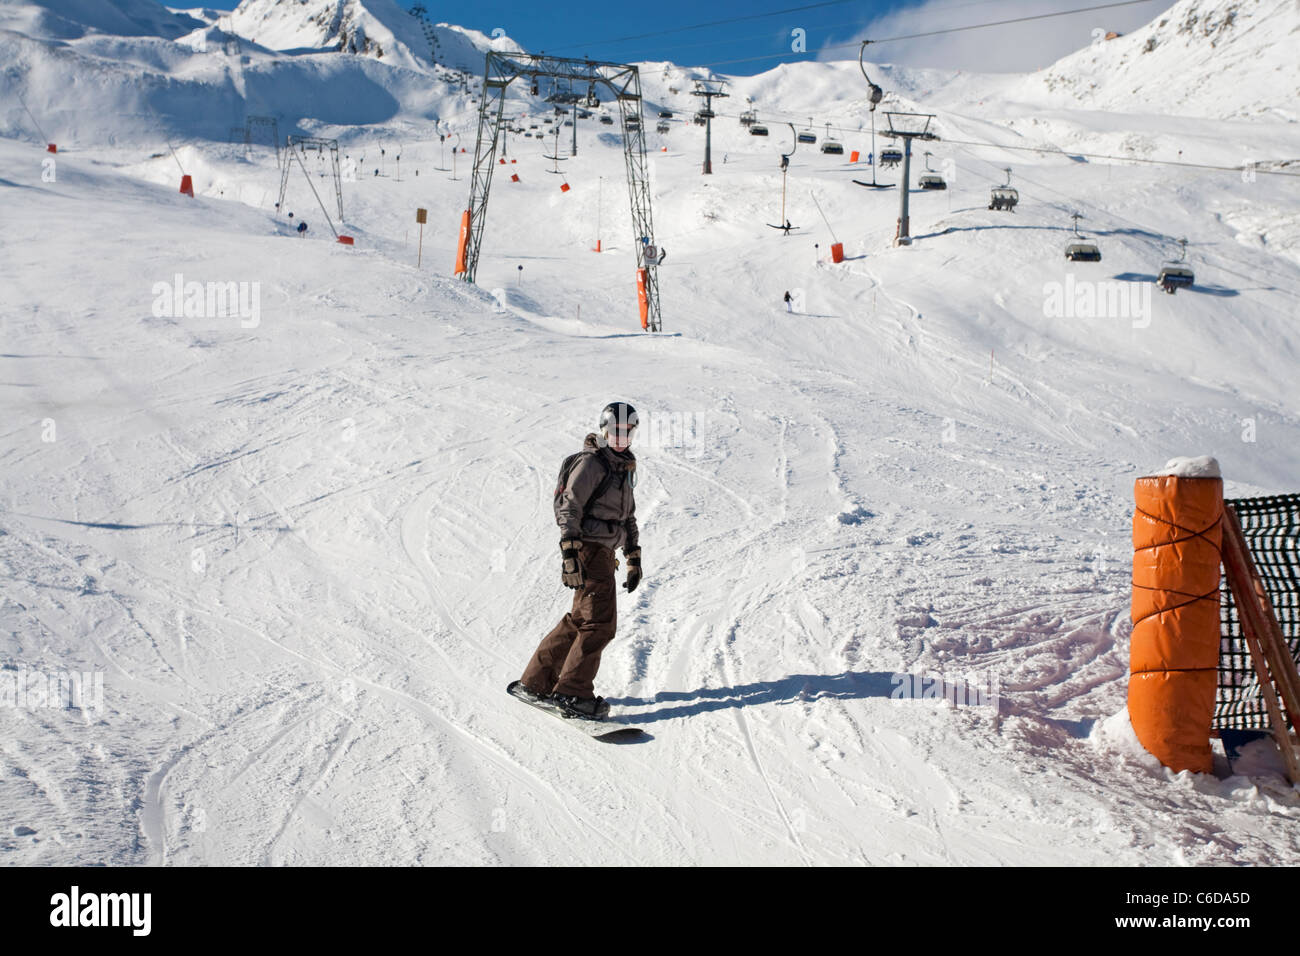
[618, 416]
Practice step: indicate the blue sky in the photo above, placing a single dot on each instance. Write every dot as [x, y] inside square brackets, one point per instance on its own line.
[760, 35]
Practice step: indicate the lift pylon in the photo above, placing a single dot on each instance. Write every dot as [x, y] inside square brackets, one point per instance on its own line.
[623, 81]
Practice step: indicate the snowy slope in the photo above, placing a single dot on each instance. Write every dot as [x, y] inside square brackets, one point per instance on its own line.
[93, 87]
[1216, 58]
[377, 28]
[72, 19]
[308, 546]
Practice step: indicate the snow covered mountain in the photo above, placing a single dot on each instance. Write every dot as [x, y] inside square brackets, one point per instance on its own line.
[377, 28]
[1227, 59]
[73, 19]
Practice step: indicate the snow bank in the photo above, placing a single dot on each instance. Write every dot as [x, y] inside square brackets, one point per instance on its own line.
[1204, 466]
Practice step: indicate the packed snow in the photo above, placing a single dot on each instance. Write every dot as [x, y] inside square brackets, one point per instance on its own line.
[302, 544]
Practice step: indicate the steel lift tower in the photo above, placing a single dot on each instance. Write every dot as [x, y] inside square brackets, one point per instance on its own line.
[624, 83]
[907, 127]
[702, 89]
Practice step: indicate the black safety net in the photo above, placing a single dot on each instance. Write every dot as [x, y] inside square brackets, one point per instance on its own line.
[1271, 527]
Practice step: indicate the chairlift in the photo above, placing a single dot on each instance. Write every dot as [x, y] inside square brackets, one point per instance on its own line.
[1081, 251]
[874, 95]
[785, 169]
[1176, 273]
[1004, 198]
[831, 146]
[891, 156]
[748, 118]
[698, 118]
[592, 99]
[661, 127]
[607, 120]
[931, 180]
[757, 130]
[665, 114]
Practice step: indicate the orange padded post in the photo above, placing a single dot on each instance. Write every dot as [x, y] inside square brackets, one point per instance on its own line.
[642, 276]
[1174, 652]
[463, 244]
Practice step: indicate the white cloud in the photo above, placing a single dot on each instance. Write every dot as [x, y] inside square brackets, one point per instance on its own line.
[1014, 48]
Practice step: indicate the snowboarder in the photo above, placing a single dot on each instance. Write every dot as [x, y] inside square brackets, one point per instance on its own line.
[596, 512]
[788, 307]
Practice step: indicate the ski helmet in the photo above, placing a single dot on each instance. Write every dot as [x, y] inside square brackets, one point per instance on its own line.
[618, 417]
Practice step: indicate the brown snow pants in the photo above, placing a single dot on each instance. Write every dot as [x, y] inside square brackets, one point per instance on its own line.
[567, 659]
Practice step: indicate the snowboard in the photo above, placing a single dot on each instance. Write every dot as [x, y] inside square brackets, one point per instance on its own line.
[602, 730]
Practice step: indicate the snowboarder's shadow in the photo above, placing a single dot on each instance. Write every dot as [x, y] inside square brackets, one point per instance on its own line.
[797, 688]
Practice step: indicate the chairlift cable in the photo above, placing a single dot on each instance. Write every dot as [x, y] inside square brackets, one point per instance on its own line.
[932, 33]
[830, 3]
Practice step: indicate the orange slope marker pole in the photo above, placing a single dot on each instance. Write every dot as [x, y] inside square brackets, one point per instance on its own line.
[1174, 649]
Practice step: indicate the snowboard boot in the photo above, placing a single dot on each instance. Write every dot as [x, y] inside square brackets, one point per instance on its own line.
[587, 708]
[524, 692]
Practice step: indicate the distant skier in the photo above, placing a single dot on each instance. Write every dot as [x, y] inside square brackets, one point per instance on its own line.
[302, 227]
[787, 227]
[788, 300]
[596, 512]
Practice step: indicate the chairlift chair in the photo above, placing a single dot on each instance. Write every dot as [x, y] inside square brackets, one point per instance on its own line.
[1081, 251]
[931, 180]
[757, 130]
[1176, 273]
[661, 127]
[665, 114]
[748, 118]
[607, 120]
[891, 156]
[1003, 198]
[831, 146]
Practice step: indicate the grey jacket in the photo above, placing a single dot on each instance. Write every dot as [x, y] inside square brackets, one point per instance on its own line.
[611, 519]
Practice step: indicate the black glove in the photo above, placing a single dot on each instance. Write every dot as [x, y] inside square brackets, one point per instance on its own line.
[572, 571]
[633, 569]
